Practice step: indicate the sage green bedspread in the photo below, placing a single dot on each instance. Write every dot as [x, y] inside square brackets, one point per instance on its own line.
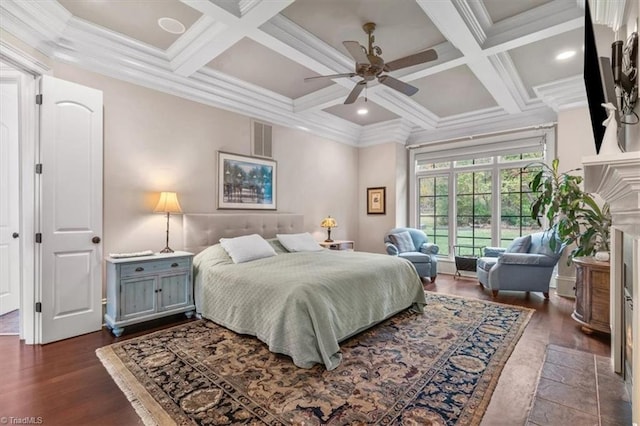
[303, 304]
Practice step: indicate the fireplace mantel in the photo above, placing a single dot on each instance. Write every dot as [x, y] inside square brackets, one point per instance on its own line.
[616, 178]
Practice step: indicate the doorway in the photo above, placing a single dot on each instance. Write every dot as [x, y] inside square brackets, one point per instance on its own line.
[17, 149]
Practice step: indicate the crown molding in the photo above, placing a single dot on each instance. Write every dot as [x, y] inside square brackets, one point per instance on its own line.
[22, 60]
[396, 131]
[607, 12]
[507, 70]
[473, 21]
[616, 178]
[492, 120]
[548, 20]
[563, 94]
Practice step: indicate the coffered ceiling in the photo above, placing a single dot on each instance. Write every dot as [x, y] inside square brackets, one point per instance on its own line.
[496, 66]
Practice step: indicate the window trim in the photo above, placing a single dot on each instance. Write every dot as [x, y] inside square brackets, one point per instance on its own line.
[496, 145]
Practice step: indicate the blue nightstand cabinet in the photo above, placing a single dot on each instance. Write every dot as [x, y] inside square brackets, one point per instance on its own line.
[148, 287]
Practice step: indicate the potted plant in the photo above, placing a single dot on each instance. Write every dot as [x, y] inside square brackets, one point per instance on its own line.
[573, 215]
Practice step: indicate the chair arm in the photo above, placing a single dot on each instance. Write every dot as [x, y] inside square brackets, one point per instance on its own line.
[392, 249]
[429, 248]
[527, 259]
[493, 251]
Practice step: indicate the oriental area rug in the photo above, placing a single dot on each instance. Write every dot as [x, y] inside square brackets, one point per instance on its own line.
[435, 368]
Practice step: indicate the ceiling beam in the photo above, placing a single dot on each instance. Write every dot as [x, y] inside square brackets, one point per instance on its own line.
[453, 26]
[226, 31]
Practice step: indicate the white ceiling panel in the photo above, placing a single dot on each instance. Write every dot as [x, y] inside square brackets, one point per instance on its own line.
[452, 92]
[503, 9]
[402, 27]
[537, 62]
[254, 63]
[376, 114]
[135, 18]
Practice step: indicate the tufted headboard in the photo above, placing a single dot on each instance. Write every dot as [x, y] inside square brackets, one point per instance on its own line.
[201, 230]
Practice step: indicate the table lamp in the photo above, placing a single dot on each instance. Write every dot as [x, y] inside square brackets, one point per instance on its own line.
[328, 222]
[168, 203]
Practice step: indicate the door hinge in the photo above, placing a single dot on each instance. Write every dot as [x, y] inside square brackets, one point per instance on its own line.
[39, 99]
[39, 168]
[38, 237]
[38, 307]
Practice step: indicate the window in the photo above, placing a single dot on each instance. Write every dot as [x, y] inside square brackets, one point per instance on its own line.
[434, 210]
[473, 210]
[472, 197]
[515, 204]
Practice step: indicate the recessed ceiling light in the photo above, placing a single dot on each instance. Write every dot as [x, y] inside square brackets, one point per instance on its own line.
[306, 129]
[171, 25]
[565, 55]
[363, 111]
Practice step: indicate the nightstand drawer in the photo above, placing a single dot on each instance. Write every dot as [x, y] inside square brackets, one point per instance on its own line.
[339, 245]
[140, 268]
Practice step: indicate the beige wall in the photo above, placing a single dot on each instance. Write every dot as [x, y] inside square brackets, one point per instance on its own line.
[381, 165]
[574, 138]
[155, 142]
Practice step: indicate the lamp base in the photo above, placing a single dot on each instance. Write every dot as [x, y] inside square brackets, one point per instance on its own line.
[328, 241]
[166, 250]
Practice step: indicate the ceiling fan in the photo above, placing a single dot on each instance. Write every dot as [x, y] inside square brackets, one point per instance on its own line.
[370, 65]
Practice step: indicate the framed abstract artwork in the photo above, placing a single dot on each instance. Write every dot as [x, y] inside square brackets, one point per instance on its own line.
[246, 182]
[376, 201]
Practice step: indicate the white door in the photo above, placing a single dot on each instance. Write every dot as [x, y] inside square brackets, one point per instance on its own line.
[9, 197]
[70, 209]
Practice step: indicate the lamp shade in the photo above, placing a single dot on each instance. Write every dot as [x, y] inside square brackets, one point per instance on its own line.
[168, 203]
[328, 222]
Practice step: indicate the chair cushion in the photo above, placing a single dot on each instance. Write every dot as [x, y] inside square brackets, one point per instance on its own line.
[519, 245]
[403, 241]
[416, 257]
[486, 263]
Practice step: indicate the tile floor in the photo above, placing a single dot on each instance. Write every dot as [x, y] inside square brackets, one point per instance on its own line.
[579, 388]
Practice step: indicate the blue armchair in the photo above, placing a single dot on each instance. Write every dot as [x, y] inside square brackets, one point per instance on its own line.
[414, 247]
[526, 265]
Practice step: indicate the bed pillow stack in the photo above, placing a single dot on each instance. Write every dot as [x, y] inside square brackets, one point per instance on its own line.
[247, 248]
[299, 242]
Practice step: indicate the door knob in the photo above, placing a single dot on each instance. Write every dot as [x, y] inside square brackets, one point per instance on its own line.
[15, 235]
[95, 240]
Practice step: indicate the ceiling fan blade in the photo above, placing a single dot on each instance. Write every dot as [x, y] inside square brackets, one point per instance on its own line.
[407, 61]
[355, 92]
[349, 74]
[398, 85]
[356, 51]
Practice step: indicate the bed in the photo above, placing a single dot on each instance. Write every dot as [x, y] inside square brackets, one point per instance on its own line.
[300, 304]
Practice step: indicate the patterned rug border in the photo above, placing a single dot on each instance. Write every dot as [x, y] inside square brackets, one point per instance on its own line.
[152, 414]
[503, 358]
[149, 411]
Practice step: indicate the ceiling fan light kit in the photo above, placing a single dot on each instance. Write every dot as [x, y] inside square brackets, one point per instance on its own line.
[370, 66]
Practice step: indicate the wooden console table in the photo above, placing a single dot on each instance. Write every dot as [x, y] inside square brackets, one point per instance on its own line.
[591, 307]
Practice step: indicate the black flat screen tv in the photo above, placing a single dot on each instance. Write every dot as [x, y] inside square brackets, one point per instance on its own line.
[598, 81]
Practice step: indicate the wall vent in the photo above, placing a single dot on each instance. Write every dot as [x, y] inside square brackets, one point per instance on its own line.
[262, 143]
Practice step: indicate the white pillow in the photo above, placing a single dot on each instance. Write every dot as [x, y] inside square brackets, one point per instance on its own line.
[247, 248]
[299, 242]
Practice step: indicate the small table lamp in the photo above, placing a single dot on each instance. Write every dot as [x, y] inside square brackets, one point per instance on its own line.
[328, 222]
[168, 203]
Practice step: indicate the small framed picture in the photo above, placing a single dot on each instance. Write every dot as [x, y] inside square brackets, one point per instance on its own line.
[246, 182]
[376, 200]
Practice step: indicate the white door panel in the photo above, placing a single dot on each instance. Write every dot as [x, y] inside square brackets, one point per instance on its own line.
[9, 197]
[71, 209]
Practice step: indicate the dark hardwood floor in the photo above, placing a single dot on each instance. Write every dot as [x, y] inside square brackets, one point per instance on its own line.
[64, 383]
